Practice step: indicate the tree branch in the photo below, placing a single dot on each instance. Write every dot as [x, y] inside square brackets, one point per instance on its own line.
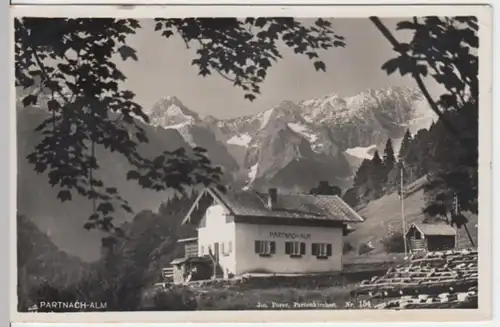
[395, 43]
[44, 73]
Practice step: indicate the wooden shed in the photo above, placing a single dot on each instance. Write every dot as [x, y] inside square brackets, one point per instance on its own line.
[431, 237]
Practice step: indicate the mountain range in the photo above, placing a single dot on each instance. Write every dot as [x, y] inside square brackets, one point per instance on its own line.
[291, 146]
[295, 145]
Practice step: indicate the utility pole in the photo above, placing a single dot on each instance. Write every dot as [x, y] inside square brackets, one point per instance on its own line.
[403, 208]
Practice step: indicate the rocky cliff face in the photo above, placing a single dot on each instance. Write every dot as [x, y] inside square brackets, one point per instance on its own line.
[330, 135]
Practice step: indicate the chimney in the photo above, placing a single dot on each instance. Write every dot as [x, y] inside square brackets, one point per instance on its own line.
[273, 198]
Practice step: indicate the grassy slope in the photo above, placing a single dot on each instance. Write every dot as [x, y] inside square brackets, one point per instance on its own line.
[386, 211]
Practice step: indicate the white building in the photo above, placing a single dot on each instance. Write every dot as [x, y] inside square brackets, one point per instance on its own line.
[251, 232]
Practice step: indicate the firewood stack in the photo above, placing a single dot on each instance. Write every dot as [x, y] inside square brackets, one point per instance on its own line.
[429, 280]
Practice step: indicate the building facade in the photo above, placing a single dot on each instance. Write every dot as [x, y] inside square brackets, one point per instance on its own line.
[251, 232]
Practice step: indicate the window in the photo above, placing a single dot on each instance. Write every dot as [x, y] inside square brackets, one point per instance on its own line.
[295, 249]
[321, 250]
[202, 250]
[226, 248]
[265, 248]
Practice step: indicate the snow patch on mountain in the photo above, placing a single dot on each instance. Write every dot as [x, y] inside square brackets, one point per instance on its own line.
[304, 131]
[363, 152]
[241, 140]
[252, 174]
[178, 126]
[265, 118]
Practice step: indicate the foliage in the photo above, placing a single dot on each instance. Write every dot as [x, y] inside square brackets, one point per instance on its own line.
[128, 265]
[70, 64]
[242, 50]
[394, 243]
[347, 247]
[405, 145]
[445, 48]
[389, 157]
[364, 248]
[40, 262]
[351, 197]
[151, 243]
[324, 188]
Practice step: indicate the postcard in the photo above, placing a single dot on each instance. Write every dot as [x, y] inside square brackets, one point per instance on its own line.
[251, 163]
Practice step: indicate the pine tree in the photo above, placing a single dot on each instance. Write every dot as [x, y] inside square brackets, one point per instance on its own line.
[376, 161]
[358, 193]
[377, 175]
[405, 144]
[324, 188]
[389, 158]
[389, 162]
[362, 173]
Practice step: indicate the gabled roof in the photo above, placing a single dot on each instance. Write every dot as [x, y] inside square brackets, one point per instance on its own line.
[435, 229]
[303, 206]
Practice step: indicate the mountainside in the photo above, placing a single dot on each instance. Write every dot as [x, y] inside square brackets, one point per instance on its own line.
[370, 117]
[169, 113]
[63, 222]
[384, 214]
[41, 261]
[329, 136]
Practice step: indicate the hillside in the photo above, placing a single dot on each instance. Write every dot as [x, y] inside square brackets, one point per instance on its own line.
[385, 213]
[63, 222]
[41, 261]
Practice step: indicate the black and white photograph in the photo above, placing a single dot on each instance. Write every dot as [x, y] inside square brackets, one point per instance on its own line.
[260, 161]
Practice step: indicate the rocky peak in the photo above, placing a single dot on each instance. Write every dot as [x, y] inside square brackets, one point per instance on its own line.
[170, 111]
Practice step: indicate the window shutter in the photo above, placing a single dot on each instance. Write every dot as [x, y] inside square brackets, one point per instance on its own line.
[222, 248]
[257, 246]
[202, 250]
[273, 247]
[302, 248]
[230, 247]
[314, 249]
[329, 250]
[288, 247]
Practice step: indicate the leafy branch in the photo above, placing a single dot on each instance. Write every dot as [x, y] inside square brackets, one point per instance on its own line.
[408, 64]
[89, 110]
[242, 50]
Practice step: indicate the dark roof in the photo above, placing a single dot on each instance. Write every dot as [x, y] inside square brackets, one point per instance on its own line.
[436, 229]
[304, 206]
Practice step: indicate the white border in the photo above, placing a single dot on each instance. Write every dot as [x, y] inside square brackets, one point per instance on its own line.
[236, 2]
[484, 14]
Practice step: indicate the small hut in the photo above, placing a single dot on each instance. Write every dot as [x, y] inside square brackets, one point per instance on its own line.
[431, 237]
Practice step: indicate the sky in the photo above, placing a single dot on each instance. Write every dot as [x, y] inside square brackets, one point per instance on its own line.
[164, 69]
